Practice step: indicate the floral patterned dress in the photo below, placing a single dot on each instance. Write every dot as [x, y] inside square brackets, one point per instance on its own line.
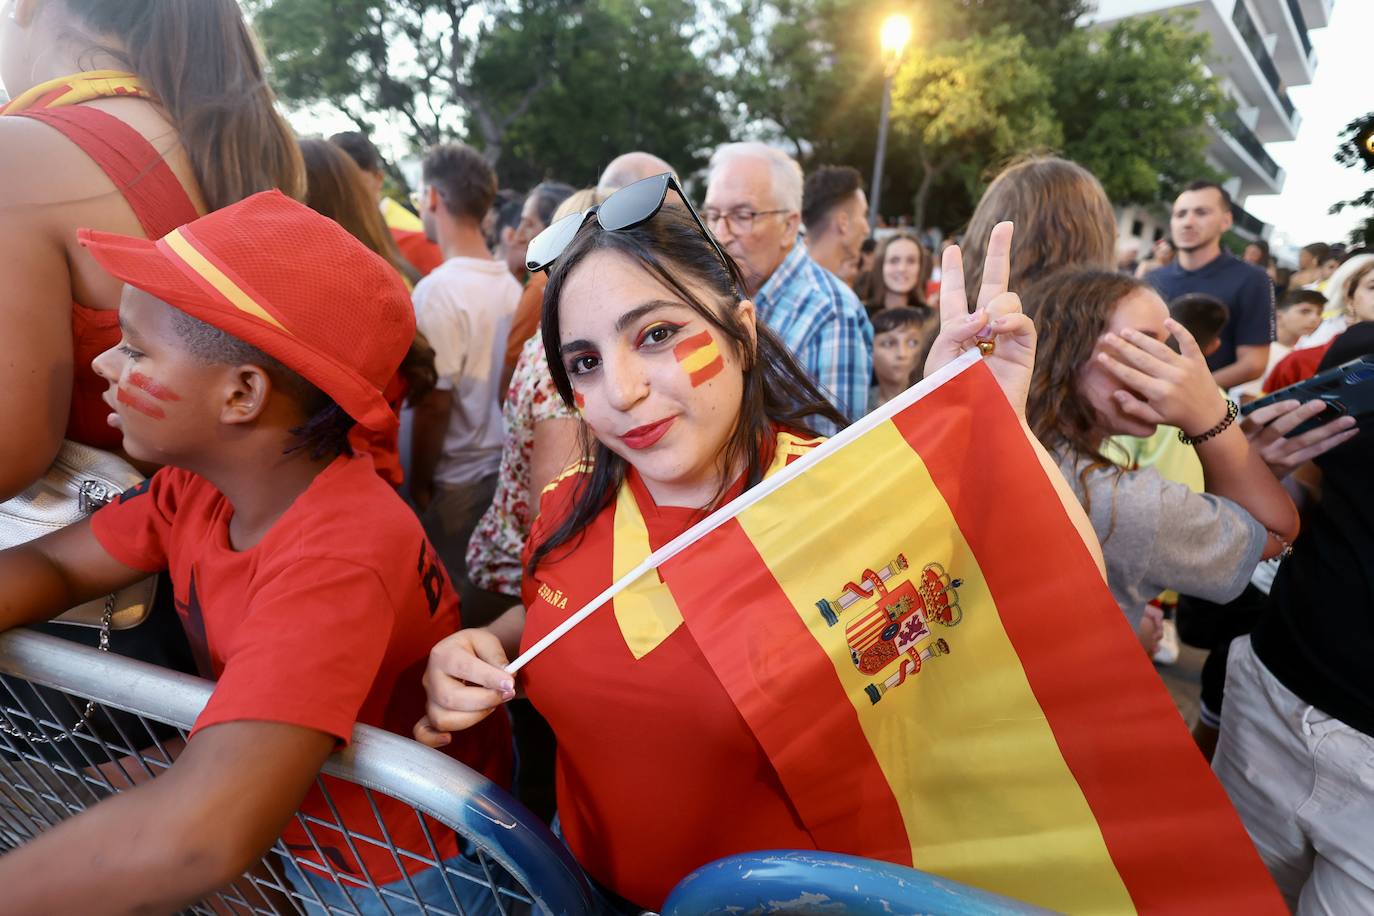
[494, 550]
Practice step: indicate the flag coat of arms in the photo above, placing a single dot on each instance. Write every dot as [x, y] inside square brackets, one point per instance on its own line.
[918, 636]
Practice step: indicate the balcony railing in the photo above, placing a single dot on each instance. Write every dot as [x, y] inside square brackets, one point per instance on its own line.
[1301, 22]
[1235, 127]
[1246, 222]
[1250, 34]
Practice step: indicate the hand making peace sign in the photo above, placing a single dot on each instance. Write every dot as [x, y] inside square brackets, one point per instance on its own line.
[998, 318]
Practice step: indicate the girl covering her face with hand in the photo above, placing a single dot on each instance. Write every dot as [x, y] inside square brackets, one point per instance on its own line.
[1106, 369]
[687, 402]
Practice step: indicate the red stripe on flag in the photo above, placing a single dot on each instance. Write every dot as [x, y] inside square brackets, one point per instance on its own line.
[707, 372]
[790, 698]
[1170, 830]
[691, 345]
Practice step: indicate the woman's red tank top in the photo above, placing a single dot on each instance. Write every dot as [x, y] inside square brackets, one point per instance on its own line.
[161, 205]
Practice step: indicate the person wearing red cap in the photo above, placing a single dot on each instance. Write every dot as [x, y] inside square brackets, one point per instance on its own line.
[305, 585]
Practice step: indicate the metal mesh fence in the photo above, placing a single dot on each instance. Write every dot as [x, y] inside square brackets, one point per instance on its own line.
[77, 726]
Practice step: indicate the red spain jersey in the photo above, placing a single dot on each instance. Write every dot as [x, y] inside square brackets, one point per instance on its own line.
[327, 621]
[658, 774]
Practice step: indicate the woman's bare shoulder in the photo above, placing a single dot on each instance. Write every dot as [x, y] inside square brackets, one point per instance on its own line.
[38, 165]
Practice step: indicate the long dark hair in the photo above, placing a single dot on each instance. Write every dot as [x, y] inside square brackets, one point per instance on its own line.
[671, 249]
[199, 59]
[1071, 309]
[1062, 217]
[335, 187]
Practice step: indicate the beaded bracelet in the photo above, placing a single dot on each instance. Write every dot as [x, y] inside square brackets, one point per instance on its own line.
[1232, 411]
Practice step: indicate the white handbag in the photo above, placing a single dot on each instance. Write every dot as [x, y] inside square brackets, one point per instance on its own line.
[80, 481]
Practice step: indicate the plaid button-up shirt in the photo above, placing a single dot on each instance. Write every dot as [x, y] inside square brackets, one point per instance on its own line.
[825, 326]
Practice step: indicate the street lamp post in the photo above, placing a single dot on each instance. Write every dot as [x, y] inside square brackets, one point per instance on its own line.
[894, 34]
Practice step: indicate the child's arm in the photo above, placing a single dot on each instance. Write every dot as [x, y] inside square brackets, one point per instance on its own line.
[170, 842]
[45, 577]
[1177, 389]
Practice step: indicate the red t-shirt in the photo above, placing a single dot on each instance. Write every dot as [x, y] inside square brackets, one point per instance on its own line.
[658, 774]
[327, 621]
[1295, 367]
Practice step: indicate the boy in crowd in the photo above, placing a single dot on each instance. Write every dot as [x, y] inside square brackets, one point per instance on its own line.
[899, 339]
[1298, 314]
[253, 339]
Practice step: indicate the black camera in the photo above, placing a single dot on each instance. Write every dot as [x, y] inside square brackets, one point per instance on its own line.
[1347, 389]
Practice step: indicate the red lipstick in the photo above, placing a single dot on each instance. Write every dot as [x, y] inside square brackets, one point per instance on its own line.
[644, 436]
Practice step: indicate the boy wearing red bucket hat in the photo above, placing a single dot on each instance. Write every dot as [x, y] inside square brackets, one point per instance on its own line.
[253, 340]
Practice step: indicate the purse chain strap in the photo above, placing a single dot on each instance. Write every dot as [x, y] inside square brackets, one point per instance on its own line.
[104, 646]
[91, 495]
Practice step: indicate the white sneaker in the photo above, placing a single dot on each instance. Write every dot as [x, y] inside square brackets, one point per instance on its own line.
[1167, 652]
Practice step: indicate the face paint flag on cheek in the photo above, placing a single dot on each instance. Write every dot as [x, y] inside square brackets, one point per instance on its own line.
[578, 401]
[700, 356]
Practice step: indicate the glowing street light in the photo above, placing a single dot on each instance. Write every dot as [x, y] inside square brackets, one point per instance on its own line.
[892, 37]
[894, 34]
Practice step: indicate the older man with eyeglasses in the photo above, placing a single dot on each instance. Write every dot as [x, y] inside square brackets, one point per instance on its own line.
[753, 207]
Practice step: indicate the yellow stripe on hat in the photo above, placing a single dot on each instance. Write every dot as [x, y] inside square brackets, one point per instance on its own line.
[180, 246]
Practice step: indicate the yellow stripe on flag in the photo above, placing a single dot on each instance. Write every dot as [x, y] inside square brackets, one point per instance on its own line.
[701, 358]
[646, 611]
[943, 773]
[216, 278]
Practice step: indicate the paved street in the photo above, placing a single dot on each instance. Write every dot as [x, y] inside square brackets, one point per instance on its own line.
[1182, 680]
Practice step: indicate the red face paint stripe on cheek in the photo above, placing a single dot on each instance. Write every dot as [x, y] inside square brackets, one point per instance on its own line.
[137, 403]
[710, 371]
[156, 389]
[578, 401]
[691, 345]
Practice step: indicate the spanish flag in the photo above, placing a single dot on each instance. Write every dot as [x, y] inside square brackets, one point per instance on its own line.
[915, 632]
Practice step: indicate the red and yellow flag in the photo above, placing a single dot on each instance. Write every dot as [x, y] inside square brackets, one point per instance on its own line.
[78, 88]
[918, 637]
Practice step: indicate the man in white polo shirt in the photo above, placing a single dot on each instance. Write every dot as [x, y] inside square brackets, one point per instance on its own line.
[464, 308]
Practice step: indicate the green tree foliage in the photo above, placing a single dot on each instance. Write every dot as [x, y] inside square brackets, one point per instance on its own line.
[632, 74]
[1357, 151]
[1042, 23]
[1134, 101]
[971, 104]
[1130, 101]
[542, 87]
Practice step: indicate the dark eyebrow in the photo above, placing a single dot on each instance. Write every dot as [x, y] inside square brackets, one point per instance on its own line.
[623, 322]
[639, 311]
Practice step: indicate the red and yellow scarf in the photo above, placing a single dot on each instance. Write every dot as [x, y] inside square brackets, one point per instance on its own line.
[77, 88]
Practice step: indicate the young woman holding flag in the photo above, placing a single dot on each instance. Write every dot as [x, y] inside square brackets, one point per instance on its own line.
[687, 401]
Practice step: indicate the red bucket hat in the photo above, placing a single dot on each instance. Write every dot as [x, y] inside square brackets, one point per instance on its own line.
[291, 282]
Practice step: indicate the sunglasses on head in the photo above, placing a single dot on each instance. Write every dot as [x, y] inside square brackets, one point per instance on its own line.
[630, 206]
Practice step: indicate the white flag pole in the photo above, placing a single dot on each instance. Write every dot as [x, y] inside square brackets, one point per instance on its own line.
[750, 497]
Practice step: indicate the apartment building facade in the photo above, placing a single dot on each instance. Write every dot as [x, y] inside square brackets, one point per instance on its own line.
[1260, 48]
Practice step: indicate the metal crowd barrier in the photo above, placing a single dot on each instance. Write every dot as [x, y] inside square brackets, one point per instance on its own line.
[76, 724]
[98, 720]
